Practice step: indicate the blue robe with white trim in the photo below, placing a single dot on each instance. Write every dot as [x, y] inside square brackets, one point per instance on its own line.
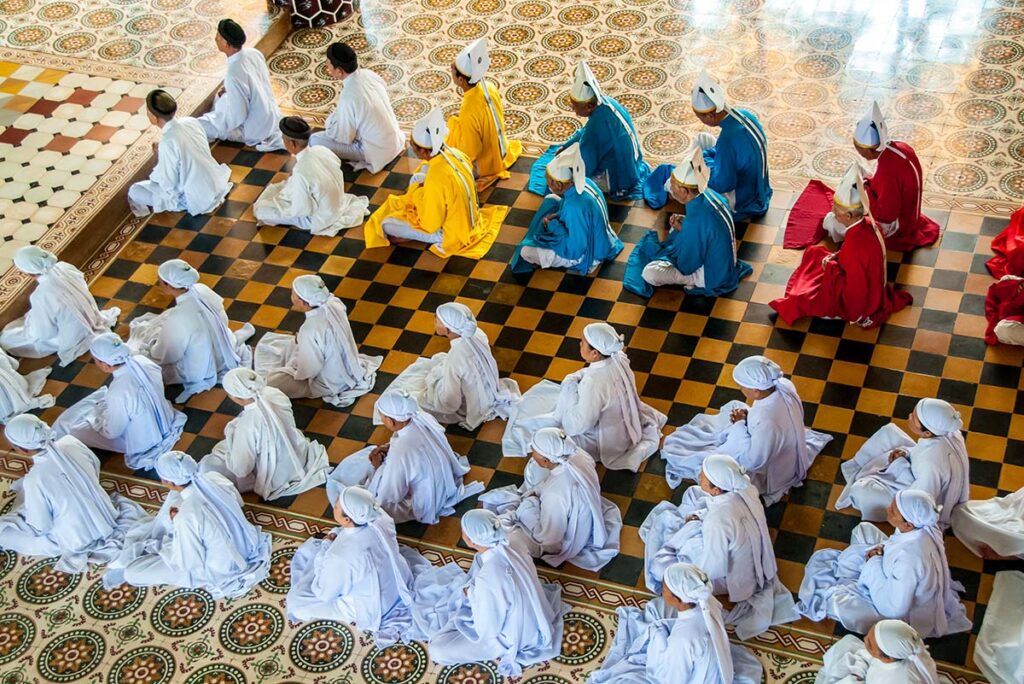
[580, 232]
[707, 238]
[608, 143]
[739, 163]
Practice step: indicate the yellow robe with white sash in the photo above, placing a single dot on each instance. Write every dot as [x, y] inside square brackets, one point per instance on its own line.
[446, 199]
[478, 130]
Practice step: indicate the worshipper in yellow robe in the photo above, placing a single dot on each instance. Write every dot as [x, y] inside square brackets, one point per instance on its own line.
[441, 207]
[478, 130]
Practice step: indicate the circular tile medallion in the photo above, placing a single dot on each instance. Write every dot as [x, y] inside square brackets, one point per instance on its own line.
[444, 55]
[41, 583]
[1017, 150]
[804, 95]
[8, 559]
[645, 78]
[919, 106]
[577, 15]
[117, 50]
[57, 11]
[217, 674]
[402, 49]
[531, 11]
[526, 94]
[29, 35]
[1005, 23]
[410, 108]
[558, 128]
[502, 60]
[665, 143]
[182, 612]
[673, 26]
[583, 639]
[930, 76]
[311, 39]
[396, 664]
[516, 121]
[783, 156]
[279, 579]
[959, 177]
[316, 96]
[71, 656]
[251, 628]
[999, 51]
[749, 89]
[516, 34]
[829, 39]
[12, 7]
[421, 24]
[791, 125]
[763, 61]
[817, 66]
[562, 41]
[146, 665]
[833, 163]
[145, 24]
[990, 81]
[610, 46]
[470, 673]
[74, 42]
[677, 113]
[111, 604]
[1013, 184]
[637, 105]
[483, 8]
[16, 635]
[165, 55]
[468, 29]
[661, 50]
[432, 81]
[626, 20]
[289, 63]
[545, 66]
[207, 62]
[980, 112]
[377, 19]
[193, 29]
[971, 144]
[321, 646]
[776, 35]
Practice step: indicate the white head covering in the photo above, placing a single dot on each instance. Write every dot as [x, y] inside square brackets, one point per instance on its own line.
[359, 505]
[458, 318]
[483, 528]
[397, 405]
[871, 132]
[553, 444]
[897, 639]
[707, 95]
[725, 473]
[177, 467]
[684, 174]
[311, 289]
[757, 372]
[944, 421]
[243, 383]
[938, 417]
[918, 508]
[34, 260]
[28, 432]
[110, 349]
[848, 192]
[568, 165]
[178, 273]
[473, 61]
[604, 338]
[690, 584]
[586, 88]
[430, 131]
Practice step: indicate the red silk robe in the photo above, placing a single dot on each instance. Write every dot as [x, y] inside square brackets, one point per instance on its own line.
[894, 193]
[1009, 249]
[851, 285]
[1005, 301]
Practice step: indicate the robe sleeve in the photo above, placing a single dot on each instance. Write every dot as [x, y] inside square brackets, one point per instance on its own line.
[243, 440]
[689, 246]
[390, 482]
[232, 109]
[172, 344]
[928, 478]
[883, 193]
[443, 391]
[307, 357]
[554, 521]
[168, 170]
[340, 578]
[488, 609]
[715, 551]
[579, 404]
[590, 139]
[35, 508]
[723, 170]
[432, 204]
[891, 588]
[342, 126]
[42, 316]
[298, 195]
[116, 414]
[464, 131]
[849, 280]
[738, 443]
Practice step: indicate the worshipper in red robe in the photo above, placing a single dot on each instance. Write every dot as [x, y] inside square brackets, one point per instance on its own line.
[1004, 309]
[894, 191]
[850, 283]
[1009, 249]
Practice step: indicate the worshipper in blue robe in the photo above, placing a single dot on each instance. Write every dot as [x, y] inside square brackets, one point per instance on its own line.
[700, 251]
[608, 143]
[571, 229]
[738, 158]
[200, 538]
[61, 509]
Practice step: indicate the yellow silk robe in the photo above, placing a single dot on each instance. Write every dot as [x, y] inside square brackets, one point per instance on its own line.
[446, 199]
[479, 131]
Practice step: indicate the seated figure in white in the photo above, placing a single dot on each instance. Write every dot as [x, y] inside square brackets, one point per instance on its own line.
[416, 475]
[322, 360]
[60, 508]
[598, 406]
[62, 317]
[461, 386]
[20, 393]
[262, 450]
[992, 528]
[892, 651]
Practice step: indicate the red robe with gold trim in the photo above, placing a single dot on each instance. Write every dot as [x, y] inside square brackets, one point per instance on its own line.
[894, 193]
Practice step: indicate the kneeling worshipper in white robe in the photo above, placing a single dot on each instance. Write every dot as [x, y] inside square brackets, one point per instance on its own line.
[499, 610]
[992, 528]
[891, 461]
[245, 110]
[200, 539]
[721, 528]
[598, 406]
[62, 317]
[999, 650]
[322, 360]
[416, 475]
[262, 450]
[461, 386]
[20, 393]
[905, 576]
[679, 638]
[560, 516]
[191, 341]
[186, 176]
[358, 573]
[892, 651]
[313, 197]
[60, 508]
[131, 416]
[769, 440]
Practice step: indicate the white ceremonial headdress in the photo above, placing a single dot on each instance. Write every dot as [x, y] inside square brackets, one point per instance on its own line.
[483, 528]
[568, 165]
[311, 289]
[871, 132]
[684, 174]
[34, 260]
[701, 170]
[757, 372]
[430, 131]
[939, 417]
[848, 193]
[707, 95]
[474, 60]
[178, 274]
[585, 88]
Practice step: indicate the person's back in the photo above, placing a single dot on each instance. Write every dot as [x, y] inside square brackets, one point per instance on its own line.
[201, 357]
[317, 336]
[562, 495]
[427, 474]
[940, 471]
[320, 171]
[732, 546]
[777, 441]
[142, 429]
[248, 71]
[748, 169]
[367, 568]
[365, 94]
[719, 263]
[910, 560]
[211, 552]
[197, 175]
[68, 505]
[49, 313]
[616, 145]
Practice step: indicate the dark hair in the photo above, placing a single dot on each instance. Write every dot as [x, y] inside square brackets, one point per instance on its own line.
[161, 104]
[341, 56]
[231, 32]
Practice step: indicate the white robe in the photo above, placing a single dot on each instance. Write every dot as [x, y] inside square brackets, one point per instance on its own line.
[122, 419]
[461, 386]
[729, 540]
[20, 393]
[360, 577]
[997, 522]
[321, 361]
[660, 645]
[247, 111]
[562, 517]
[771, 443]
[186, 177]
[363, 124]
[999, 650]
[499, 611]
[588, 405]
[910, 581]
[313, 197]
[62, 318]
[420, 479]
[848, 662]
[61, 510]
[206, 546]
[931, 465]
[263, 452]
[192, 342]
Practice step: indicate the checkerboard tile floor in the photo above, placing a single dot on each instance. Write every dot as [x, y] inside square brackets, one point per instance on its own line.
[681, 348]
